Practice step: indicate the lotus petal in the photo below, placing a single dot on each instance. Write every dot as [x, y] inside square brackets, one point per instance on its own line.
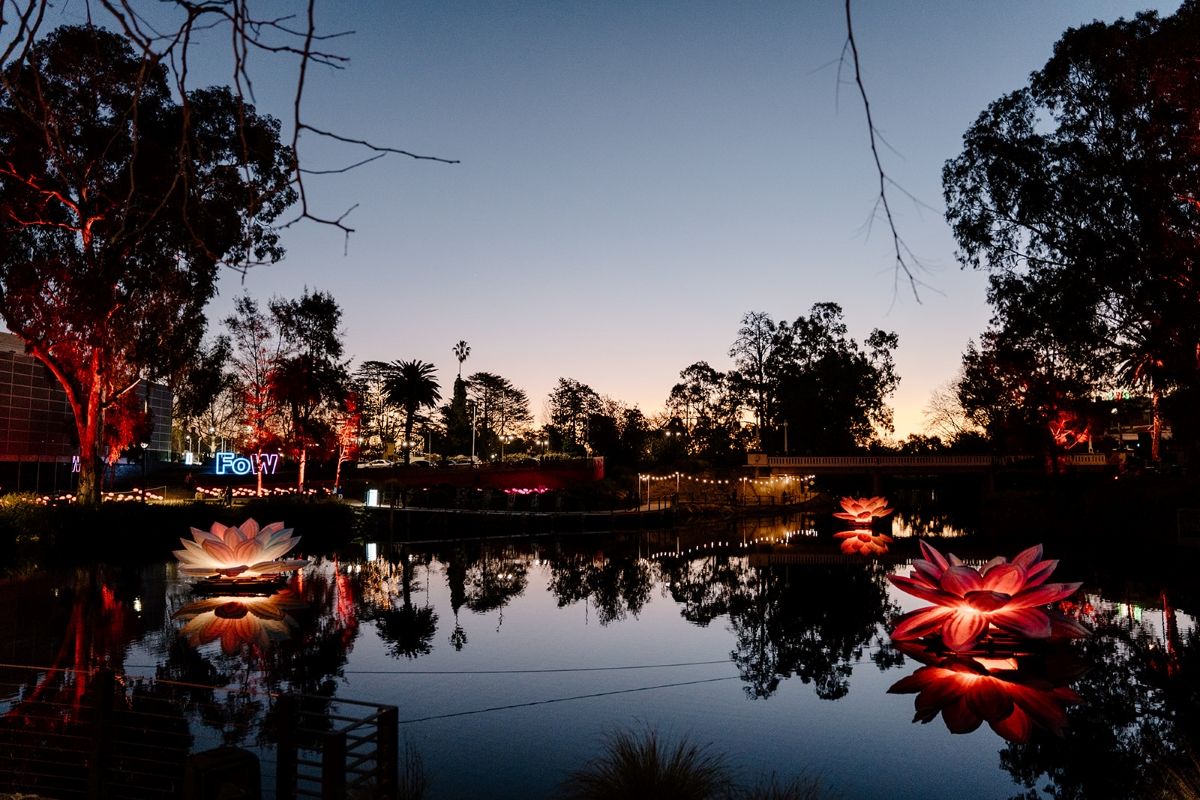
[1044, 594]
[919, 589]
[1064, 627]
[1028, 556]
[961, 579]
[934, 557]
[927, 572]
[1031, 623]
[220, 552]
[1006, 578]
[995, 562]
[986, 601]
[959, 718]
[921, 622]
[962, 629]
[1016, 727]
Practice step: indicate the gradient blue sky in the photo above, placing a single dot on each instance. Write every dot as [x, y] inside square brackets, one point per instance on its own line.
[636, 176]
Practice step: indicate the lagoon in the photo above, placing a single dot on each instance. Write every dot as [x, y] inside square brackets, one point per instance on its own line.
[511, 660]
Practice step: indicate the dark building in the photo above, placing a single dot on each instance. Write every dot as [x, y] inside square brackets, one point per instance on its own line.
[38, 444]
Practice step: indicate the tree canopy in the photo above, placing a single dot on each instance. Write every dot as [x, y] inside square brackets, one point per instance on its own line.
[831, 391]
[118, 204]
[1079, 194]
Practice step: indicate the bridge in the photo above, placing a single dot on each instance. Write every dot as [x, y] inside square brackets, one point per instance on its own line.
[878, 466]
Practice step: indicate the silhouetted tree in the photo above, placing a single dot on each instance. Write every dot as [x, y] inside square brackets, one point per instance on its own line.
[831, 391]
[117, 207]
[571, 404]
[1078, 194]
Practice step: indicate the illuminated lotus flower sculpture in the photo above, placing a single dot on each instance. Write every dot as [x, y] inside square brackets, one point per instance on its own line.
[243, 552]
[1012, 698]
[240, 621]
[863, 542]
[862, 510]
[969, 603]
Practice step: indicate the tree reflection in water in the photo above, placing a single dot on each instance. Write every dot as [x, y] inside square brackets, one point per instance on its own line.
[495, 578]
[784, 620]
[616, 584]
[1135, 732]
[407, 629]
[1137, 724]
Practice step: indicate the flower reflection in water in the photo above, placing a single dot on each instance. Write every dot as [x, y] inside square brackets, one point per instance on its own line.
[243, 552]
[863, 542]
[240, 621]
[862, 510]
[970, 603]
[1014, 693]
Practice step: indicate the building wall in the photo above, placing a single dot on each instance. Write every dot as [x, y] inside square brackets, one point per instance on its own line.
[36, 420]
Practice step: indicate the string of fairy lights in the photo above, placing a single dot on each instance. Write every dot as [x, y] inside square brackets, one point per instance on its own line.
[681, 477]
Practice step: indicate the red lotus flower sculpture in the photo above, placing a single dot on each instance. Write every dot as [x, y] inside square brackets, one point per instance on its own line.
[862, 541]
[1004, 595]
[861, 510]
[239, 621]
[970, 691]
[244, 551]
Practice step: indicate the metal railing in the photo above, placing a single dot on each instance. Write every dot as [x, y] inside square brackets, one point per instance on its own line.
[348, 747]
[96, 734]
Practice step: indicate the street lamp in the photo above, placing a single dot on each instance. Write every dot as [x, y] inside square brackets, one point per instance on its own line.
[474, 415]
[144, 446]
[543, 442]
[504, 440]
[785, 442]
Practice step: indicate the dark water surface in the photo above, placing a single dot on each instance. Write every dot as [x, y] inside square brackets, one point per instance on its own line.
[510, 660]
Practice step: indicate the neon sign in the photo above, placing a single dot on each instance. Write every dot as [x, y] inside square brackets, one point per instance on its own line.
[232, 463]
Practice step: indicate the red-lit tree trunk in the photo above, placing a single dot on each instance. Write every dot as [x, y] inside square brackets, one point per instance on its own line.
[85, 378]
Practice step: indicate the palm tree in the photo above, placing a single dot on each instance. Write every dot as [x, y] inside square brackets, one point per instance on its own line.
[412, 385]
[461, 351]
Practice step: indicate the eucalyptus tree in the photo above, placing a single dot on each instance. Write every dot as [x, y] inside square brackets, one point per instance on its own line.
[829, 390]
[710, 409]
[571, 403]
[289, 373]
[751, 352]
[381, 421]
[311, 380]
[118, 205]
[201, 393]
[1082, 187]
[503, 409]
[256, 349]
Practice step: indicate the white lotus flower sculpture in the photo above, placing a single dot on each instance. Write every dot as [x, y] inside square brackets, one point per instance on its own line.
[239, 551]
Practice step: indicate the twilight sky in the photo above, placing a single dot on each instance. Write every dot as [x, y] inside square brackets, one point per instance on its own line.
[637, 175]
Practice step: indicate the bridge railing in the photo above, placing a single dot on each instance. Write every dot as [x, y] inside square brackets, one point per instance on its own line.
[912, 462]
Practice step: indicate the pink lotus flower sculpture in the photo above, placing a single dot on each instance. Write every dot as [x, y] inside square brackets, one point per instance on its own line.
[863, 542]
[244, 552]
[1004, 595]
[970, 691]
[861, 510]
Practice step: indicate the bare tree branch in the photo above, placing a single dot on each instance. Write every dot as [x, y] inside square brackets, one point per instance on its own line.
[905, 262]
[166, 37]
